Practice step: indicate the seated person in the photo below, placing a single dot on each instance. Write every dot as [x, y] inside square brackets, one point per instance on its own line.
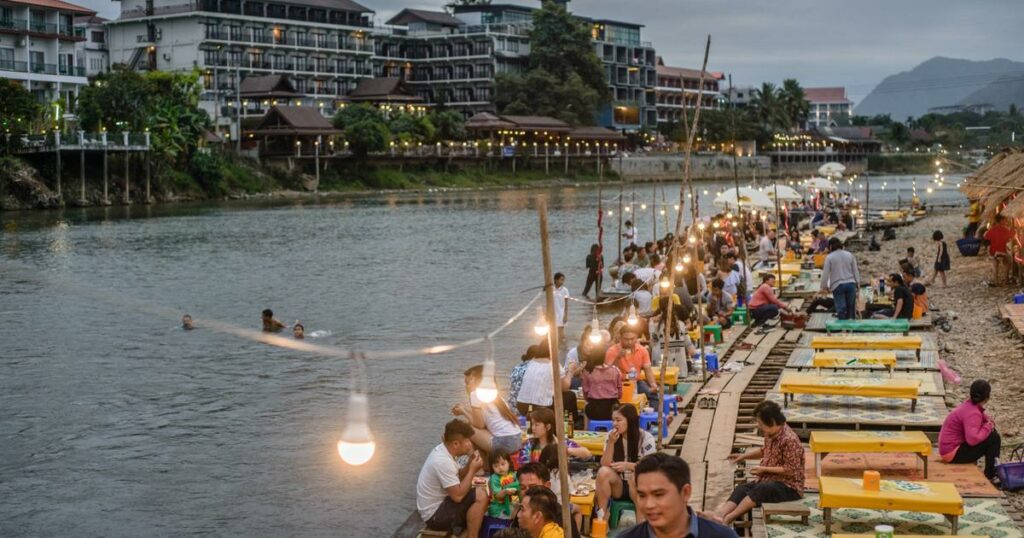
[542, 434]
[626, 444]
[539, 513]
[663, 496]
[780, 476]
[628, 355]
[602, 388]
[495, 425]
[503, 486]
[445, 496]
[537, 474]
[969, 434]
[920, 299]
[764, 305]
[720, 305]
[902, 300]
[549, 459]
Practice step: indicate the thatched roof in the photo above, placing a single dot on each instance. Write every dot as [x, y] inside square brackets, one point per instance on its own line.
[999, 181]
[487, 121]
[295, 120]
[596, 133]
[408, 15]
[382, 90]
[267, 87]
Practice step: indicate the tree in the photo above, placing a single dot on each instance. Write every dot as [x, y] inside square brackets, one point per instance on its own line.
[118, 98]
[565, 78]
[794, 104]
[19, 110]
[364, 129]
[449, 125]
[408, 128]
[726, 125]
[768, 108]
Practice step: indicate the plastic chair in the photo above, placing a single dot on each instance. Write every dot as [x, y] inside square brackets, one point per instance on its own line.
[739, 316]
[647, 419]
[522, 422]
[715, 330]
[491, 525]
[670, 404]
[615, 512]
[600, 425]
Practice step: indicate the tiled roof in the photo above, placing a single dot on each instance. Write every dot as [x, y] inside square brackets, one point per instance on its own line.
[826, 95]
[683, 72]
[267, 86]
[55, 4]
[537, 122]
[596, 133]
[381, 89]
[406, 16]
[295, 120]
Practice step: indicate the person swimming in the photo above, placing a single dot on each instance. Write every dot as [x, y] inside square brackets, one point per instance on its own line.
[270, 323]
[186, 322]
[298, 331]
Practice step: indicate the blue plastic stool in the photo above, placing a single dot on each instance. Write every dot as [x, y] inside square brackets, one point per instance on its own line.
[646, 419]
[491, 525]
[615, 512]
[671, 404]
[599, 425]
[522, 422]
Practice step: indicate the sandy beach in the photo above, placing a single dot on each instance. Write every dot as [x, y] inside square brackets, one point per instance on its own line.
[980, 346]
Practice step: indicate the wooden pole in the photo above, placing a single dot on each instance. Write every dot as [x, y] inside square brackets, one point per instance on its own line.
[654, 213]
[127, 161]
[60, 191]
[81, 163]
[667, 336]
[106, 201]
[556, 374]
[622, 186]
[149, 171]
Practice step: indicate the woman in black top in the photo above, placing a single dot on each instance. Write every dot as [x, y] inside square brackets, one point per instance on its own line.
[941, 259]
[595, 264]
[902, 300]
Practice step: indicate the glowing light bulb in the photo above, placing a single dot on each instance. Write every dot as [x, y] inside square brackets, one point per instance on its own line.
[715, 224]
[692, 240]
[728, 215]
[643, 206]
[632, 319]
[541, 328]
[677, 207]
[626, 209]
[705, 192]
[595, 331]
[686, 258]
[487, 391]
[609, 212]
[701, 226]
[662, 211]
[664, 283]
[356, 446]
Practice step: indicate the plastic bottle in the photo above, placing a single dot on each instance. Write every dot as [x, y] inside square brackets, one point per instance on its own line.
[632, 374]
[881, 286]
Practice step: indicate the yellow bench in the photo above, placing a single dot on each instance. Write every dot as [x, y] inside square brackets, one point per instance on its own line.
[639, 402]
[823, 443]
[671, 375]
[866, 341]
[931, 497]
[792, 384]
[592, 441]
[841, 359]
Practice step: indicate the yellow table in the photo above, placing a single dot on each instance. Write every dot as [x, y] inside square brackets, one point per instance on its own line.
[932, 497]
[592, 441]
[639, 402]
[849, 386]
[585, 502]
[671, 375]
[828, 442]
[840, 359]
[900, 536]
[866, 341]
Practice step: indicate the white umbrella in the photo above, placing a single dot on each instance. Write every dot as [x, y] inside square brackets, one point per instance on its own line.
[821, 184]
[831, 169]
[786, 193]
[747, 198]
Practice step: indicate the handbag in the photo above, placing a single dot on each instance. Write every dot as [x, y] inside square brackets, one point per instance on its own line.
[1011, 473]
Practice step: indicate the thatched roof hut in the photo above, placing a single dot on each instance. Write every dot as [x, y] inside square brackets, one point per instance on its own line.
[1000, 181]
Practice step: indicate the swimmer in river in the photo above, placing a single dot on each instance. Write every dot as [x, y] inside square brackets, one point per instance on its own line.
[270, 323]
[186, 322]
[298, 331]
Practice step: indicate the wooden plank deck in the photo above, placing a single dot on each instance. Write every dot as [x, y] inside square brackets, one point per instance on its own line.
[801, 357]
[816, 322]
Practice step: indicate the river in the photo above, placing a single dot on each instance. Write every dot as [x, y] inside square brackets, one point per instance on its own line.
[113, 421]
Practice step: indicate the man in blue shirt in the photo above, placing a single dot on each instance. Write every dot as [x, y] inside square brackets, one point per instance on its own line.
[663, 496]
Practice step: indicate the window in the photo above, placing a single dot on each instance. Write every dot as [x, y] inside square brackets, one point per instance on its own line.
[6, 59]
[98, 37]
[95, 64]
[37, 61]
[6, 14]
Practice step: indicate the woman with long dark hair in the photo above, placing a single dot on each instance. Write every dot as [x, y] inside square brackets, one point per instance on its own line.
[969, 434]
[626, 444]
[542, 434]
[595, 265]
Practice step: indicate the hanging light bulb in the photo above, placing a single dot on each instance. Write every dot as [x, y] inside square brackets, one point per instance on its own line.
[692, 240]
[686, 258]
[715, 224]
[626, 209]
[643, 206]
[487, 391]
[541, 328]
[356, 446]
[677, 207]
[728, 215]
[664, 283]
[595, 330]
[753, 212]
[662, 211]
[701, 226]
[679, 266]
[632, 319]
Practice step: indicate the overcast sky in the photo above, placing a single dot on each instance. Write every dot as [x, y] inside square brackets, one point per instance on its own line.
[852, 43]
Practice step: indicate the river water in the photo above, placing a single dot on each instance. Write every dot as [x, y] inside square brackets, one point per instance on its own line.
[113, 421]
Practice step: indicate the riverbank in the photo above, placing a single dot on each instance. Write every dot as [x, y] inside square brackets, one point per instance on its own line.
[980, 346]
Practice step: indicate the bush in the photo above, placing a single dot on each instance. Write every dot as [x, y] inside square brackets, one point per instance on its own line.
[206, 169]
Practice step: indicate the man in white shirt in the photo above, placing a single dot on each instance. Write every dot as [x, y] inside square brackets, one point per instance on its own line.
[631, 235]
[561, 310]
[445, 496]
[766, 248]
[647, 275]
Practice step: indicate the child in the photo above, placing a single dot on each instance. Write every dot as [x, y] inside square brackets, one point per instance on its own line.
[913, 262]
[503, 485]
[941, 259]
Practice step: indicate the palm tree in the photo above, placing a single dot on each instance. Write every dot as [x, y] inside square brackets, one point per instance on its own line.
[768, 107]
[795, 104]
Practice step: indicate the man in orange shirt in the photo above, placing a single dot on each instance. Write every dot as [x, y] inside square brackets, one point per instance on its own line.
[998, 236]
[628, 355]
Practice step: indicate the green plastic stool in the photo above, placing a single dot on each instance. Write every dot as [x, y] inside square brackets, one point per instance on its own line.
[716, 330]
[615, 512]
[740, 315]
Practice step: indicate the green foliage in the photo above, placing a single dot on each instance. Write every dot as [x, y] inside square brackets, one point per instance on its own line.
[767, 108]
[565, 79]
[449, 125]
[19, 110]
[206, 170]
[364, 128]
[795, 107]
[411, 129]
[718, 126]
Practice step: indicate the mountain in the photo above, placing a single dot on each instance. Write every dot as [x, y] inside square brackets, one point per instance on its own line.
[1001, 93]
[939, 82]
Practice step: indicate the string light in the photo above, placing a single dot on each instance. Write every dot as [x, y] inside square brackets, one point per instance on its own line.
[643, 206]
[632, 319]
[541, 328]
[356, 445]
[686, 258]
[677, 207]
[692, 240]
[679, 266]
[701, 226]
[664, 283]
[595, 329]
[487, 391]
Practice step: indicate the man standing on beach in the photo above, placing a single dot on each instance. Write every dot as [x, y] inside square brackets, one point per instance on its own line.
[841, 276]
[998, 236]
[561, 310]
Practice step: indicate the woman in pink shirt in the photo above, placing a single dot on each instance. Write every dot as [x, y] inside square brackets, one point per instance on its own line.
[968, 433]
[764, 305]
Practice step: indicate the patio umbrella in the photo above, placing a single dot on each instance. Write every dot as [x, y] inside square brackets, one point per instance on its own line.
[748, 198]
[821, 184]
[831, 169]
[786, 193]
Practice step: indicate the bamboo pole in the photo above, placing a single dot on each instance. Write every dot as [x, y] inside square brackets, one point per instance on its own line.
[667, 336]
[556, 374]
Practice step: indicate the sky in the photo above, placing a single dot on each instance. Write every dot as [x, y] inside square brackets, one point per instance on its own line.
[851, 43]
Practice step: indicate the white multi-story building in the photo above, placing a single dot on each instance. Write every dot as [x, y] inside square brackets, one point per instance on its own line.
[829, 106]
[323, 46]
[38, 49]
[93, 55]
[680, 88]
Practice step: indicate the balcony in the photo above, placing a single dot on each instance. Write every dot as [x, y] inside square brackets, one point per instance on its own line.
[10, 65]
[42, 68]
[38, 27]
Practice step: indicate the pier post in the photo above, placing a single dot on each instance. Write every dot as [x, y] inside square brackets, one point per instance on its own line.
[316, 157]
[149, 167]
[106, 201]
[127, 162]
[81, 164]
[56, 138]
